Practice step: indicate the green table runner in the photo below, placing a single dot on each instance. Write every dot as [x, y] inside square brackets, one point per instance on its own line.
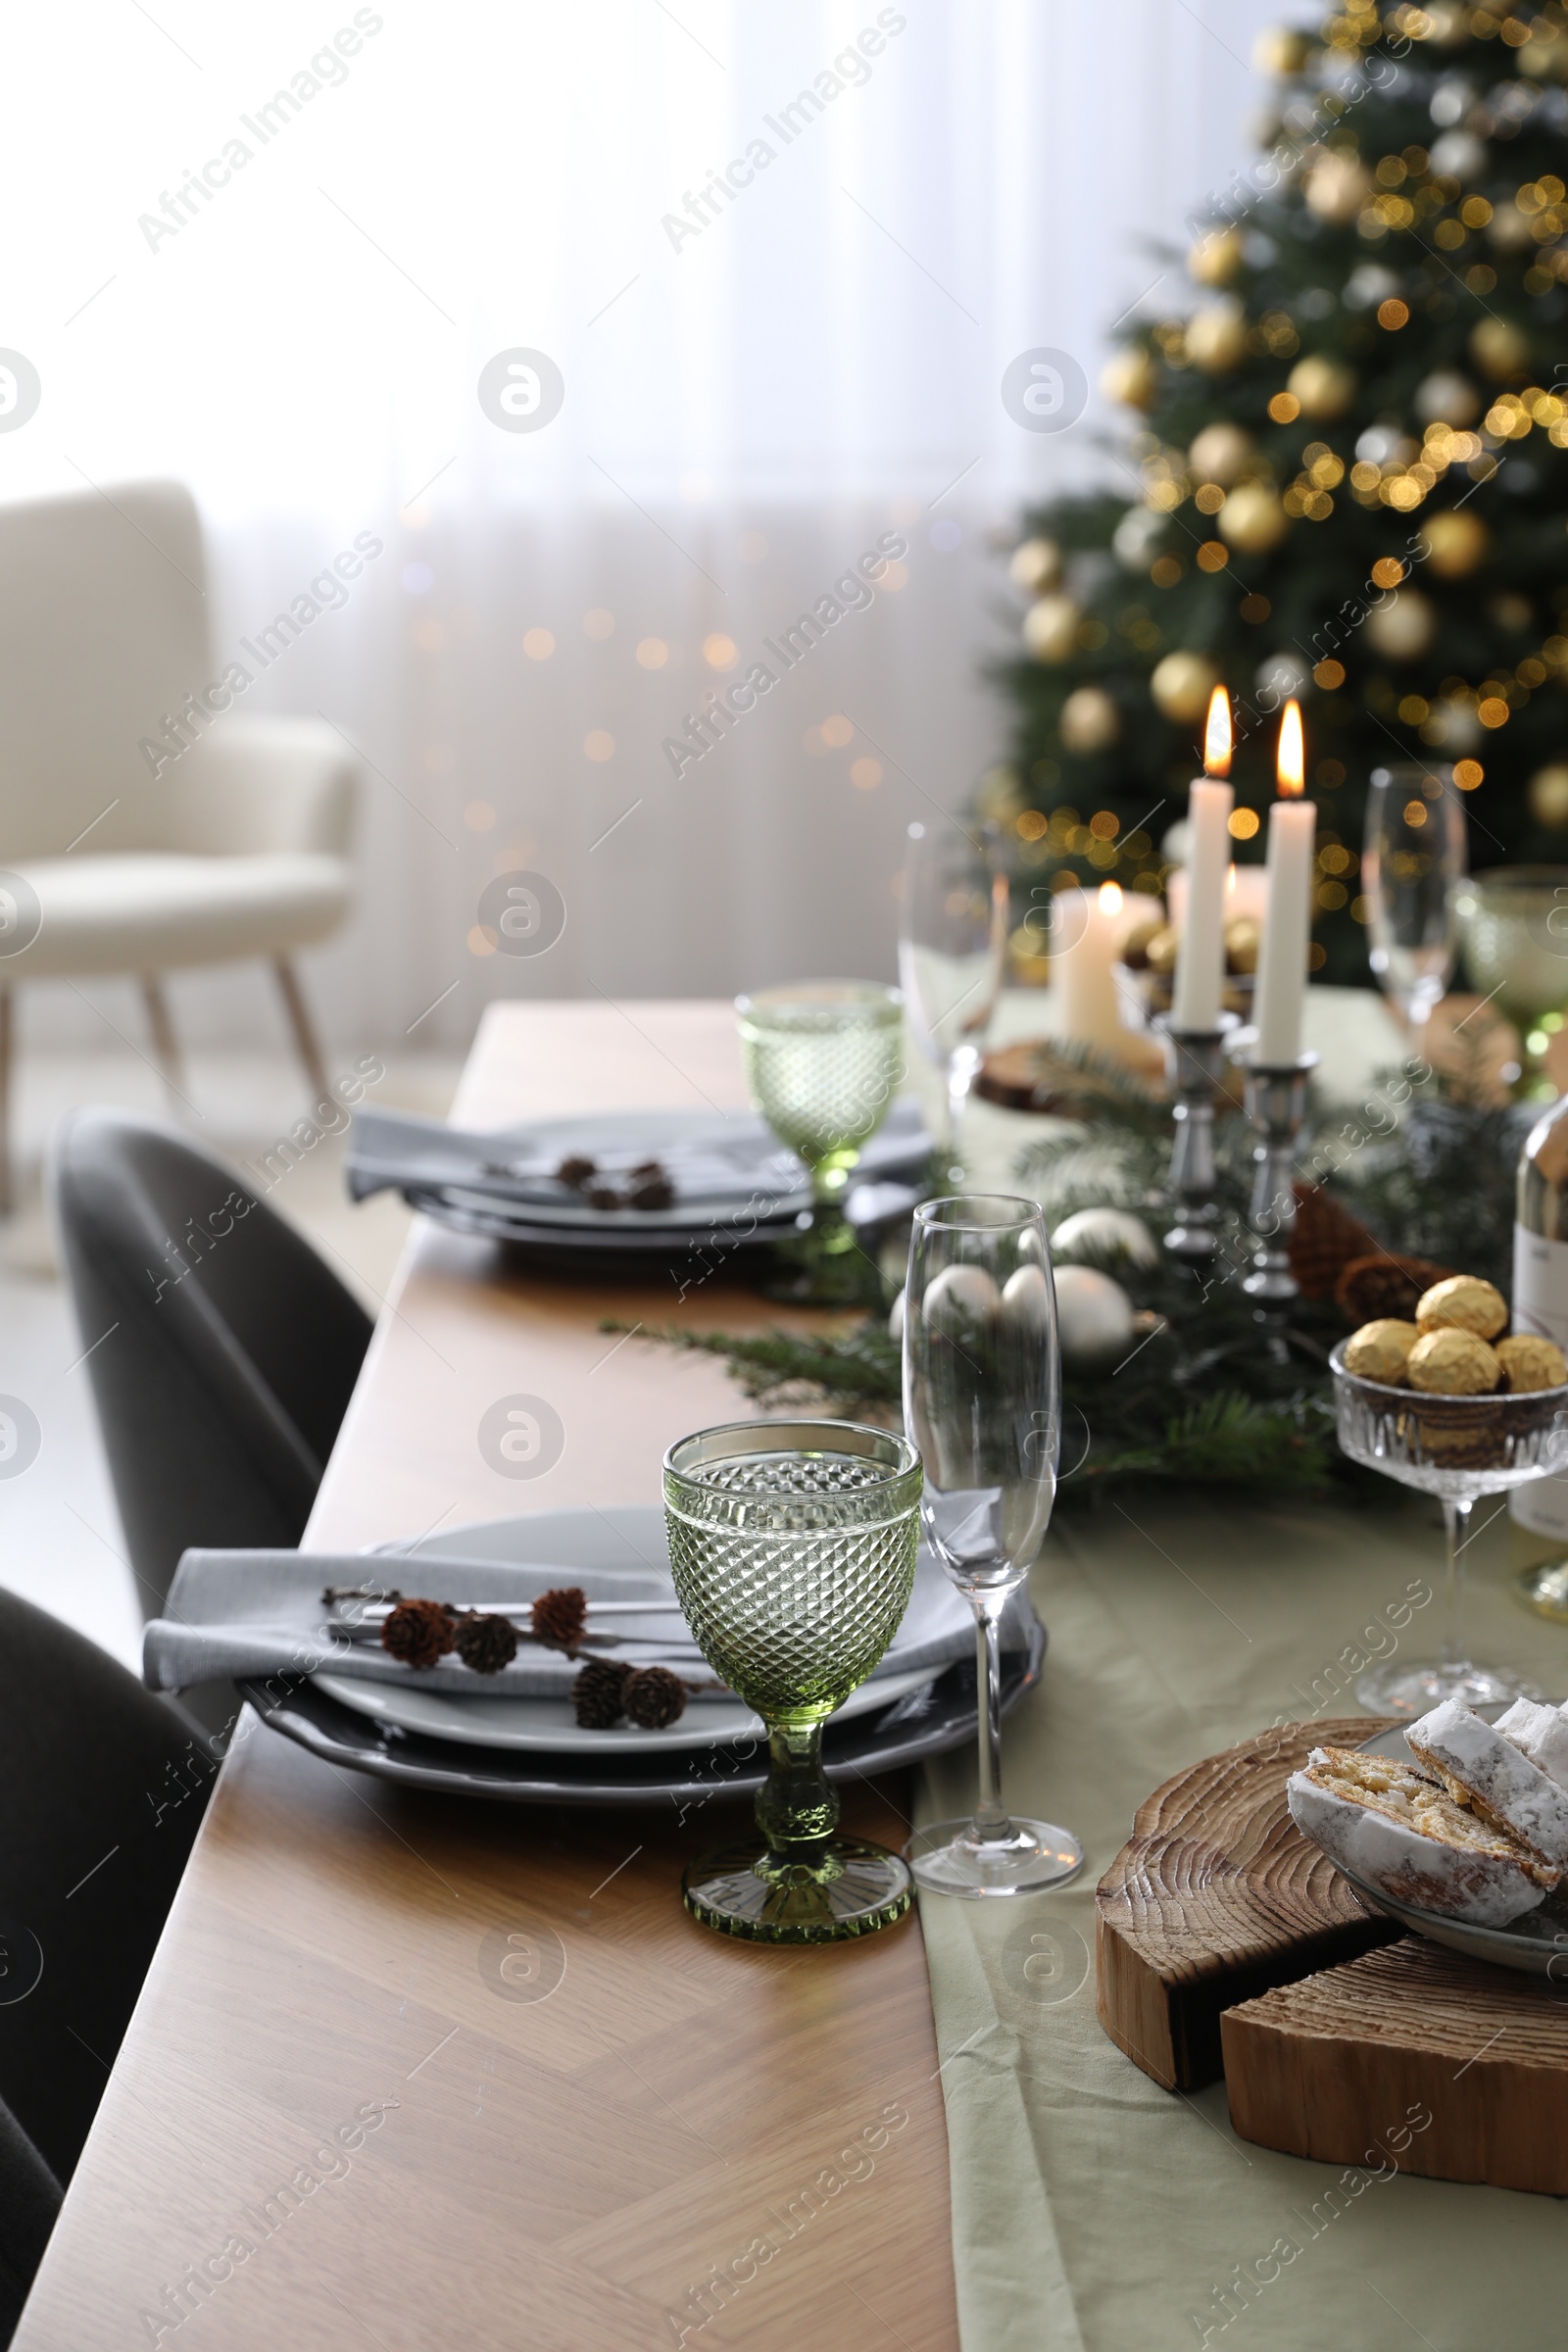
[1092, 2211]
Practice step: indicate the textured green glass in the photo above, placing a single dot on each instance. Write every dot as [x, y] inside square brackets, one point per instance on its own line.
[822, 1063]
[793, 1549]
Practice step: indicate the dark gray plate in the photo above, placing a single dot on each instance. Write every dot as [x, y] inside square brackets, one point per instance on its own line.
[922, 1724]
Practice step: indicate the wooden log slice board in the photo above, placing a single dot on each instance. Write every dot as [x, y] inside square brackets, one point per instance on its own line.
[1227, 1944]
[1215, 1897]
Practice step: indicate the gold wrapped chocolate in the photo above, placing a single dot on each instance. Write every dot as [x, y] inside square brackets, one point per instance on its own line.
[1464, 1302]
[1449, 1362]
[1380, 1350]
[1531, 1362]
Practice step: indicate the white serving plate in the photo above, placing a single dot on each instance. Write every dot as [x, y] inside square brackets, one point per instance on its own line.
[548, 1724]
[937, 1625]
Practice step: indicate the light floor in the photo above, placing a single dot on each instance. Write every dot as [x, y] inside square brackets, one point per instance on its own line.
[59, 1537]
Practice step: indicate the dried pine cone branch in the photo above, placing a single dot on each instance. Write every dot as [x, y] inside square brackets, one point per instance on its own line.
[560, 1616]
[653, 1698]
[597, 1694]
[486, 1644]
[418, 1632]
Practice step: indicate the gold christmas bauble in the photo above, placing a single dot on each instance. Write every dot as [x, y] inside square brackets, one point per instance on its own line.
[1500, 351]
[1129, 377]
[1216, 337]
[1403, 628]
[1251, 520]
[1215, 258]
[1324, 386]
[1336, 186]
[1280, 51]
[1036, 566]
[1446, 398]
[1182, 684]
[1219, 453]
[1455, 543]
[1090, 722]
[1050, 628]
[1548, 796]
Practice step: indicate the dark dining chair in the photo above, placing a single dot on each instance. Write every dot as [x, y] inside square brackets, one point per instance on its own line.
[105, 1788]
[223, 1351]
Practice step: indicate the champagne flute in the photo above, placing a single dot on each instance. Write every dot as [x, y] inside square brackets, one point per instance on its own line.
[1414, 856]
[982, 1389]
[952, 938]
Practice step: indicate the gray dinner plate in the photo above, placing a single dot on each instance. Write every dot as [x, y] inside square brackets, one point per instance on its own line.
[1536, 1944]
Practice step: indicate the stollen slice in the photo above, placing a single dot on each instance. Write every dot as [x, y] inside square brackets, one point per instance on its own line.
[1542, 1733]
[1402, 1833]
[1494, 1779]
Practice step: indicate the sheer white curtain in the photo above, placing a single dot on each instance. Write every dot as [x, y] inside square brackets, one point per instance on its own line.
[780, 255]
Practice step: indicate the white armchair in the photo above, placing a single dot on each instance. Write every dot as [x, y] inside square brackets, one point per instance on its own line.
[235, 848]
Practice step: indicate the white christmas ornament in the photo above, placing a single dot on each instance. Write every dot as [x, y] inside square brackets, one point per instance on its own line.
[896, 1318]
[1093, 1316]
[1102, 1236]
[959, 1298]
[1026, 1300]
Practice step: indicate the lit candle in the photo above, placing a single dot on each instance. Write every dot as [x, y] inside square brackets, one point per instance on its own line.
[1287, 928]
[1201, 947]
[1086, 942]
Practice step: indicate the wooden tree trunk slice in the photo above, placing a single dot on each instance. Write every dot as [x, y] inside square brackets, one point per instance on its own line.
[1215, 1898]
[1413, 2056]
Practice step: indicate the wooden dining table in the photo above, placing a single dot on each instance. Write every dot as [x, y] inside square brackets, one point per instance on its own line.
[421, 2070]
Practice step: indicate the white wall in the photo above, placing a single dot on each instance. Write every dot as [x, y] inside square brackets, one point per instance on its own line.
[815, 367]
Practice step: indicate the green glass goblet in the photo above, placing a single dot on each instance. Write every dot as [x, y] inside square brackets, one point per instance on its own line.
[792, 1544]
[822, 1060]
[1514, 922]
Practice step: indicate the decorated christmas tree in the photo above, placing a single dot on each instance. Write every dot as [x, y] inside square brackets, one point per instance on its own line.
[1347, 477]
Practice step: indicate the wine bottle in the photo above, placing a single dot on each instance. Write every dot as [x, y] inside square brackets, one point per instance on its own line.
[1540, 1285]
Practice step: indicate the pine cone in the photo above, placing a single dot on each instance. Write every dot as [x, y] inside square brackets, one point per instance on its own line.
[1384, 1285]
[654, 1697]
[558, 1616]
[1324, 1239]
[418, 1632]
[597, 1694]
[486, 1644]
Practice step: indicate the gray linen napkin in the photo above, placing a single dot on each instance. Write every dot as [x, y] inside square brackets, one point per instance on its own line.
[707, 1160]
[247, 1615]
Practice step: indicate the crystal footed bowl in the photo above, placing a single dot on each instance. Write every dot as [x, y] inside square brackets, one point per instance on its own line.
[1459, 1448]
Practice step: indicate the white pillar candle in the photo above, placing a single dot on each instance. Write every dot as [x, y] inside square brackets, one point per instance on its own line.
[1246, 893]
[1085, 942]
[1200, 922]
[1280, 996]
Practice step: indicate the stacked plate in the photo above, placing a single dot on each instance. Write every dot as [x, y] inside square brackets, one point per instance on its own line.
[531, 1750]
[733, 1186]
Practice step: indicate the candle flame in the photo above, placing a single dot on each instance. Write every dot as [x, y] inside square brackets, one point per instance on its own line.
[1291, 765]
[1217, 735]
[1230, 881]
[1111, 897]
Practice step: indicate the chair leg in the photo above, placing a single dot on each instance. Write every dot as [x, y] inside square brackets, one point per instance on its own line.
[6, 1044]
[299, 1020]
[166, 1045]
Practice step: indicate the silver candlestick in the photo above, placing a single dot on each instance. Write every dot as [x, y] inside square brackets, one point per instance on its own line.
[1276, 1105]
[1196, 1059]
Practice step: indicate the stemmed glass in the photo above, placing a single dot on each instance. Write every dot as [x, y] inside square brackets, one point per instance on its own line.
[1515, 924]
[793, 1547]
[982, 1384]
[1458, 1448]
[1412, 860]
[952, 939]
[822, 1061]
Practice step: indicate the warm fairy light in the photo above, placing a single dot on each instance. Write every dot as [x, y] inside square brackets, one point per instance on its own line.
[1111, 897]
[1217, 735]
[1291, 763]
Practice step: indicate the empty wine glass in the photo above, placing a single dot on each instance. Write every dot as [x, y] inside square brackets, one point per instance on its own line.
[822, 1060]
[1412, 860]
[982, 1386]
[952, 938]
[793, 1549]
